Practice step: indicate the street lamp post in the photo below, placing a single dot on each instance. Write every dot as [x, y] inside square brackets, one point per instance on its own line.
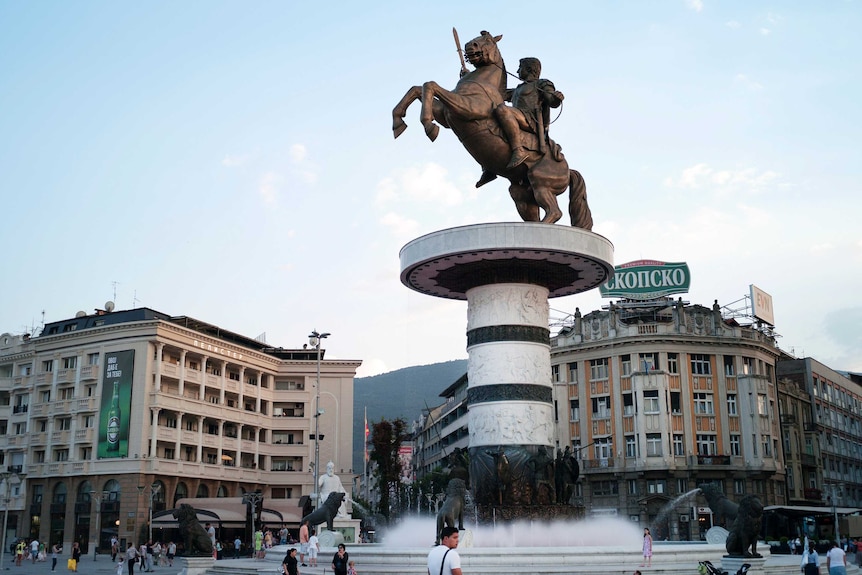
[6, 477]
[97, 498]
[834, 492]
[152, 490]
[314, 340]
[253, 498]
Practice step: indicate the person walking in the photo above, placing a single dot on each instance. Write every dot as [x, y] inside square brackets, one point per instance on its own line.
[34, 550]
[836, 560]
[444, 559]
[237, 547]
[647, 548]
[55, 554]
[810, 561]
[288, 566]
[172, 552]
[144, 556]
[131, 558]
[76, 555]
[19, 552]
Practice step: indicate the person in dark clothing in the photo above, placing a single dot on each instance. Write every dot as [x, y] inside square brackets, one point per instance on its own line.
[289, 565]
[339, 560]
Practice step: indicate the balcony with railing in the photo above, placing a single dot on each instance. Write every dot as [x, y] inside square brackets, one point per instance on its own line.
[89, 372]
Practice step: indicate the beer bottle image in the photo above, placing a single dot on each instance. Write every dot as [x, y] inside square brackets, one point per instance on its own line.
[114, 420]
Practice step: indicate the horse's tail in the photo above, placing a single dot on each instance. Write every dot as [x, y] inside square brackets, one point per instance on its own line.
[579, 210]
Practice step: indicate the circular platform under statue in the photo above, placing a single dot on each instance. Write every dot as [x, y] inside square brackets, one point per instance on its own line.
[565, 260]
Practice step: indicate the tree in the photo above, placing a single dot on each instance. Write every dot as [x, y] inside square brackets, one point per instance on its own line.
[386, 439]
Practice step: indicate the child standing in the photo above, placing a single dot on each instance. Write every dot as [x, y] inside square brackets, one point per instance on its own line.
[647, 548]
[351, 567]
[120, 564]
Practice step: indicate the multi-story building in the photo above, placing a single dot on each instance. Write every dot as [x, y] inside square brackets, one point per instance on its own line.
[822, 433]
[442, 429]
[659, 399]
[134, 410]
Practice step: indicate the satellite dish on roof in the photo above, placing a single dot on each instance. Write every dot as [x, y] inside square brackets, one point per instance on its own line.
[81, 314]
[109, 306]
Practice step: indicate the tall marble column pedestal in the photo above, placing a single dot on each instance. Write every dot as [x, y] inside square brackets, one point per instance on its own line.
[507, 272]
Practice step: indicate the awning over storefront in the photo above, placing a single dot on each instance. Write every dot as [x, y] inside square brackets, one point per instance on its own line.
[807, 510]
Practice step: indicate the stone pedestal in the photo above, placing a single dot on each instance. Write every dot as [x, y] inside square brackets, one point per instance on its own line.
[198, 565]
[346, 531]
[507, 272]
[732, 564]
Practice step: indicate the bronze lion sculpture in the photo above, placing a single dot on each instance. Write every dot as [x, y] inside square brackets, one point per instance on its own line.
[452, 509]
[326, 512]
[197, 542]
[723, 508]
[742, 539]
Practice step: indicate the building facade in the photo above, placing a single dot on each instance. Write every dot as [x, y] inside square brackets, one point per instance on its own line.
[111, 417]
[660, 400]
[822, 425]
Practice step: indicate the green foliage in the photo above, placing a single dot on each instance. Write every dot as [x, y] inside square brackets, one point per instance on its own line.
[386, 439]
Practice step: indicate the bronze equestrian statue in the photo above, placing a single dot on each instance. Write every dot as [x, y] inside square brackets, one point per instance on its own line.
[508, 141]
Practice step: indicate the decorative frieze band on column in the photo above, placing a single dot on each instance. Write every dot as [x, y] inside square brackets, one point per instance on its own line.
[499, 333]
[509, 362]
[509, 392]
[514, 424]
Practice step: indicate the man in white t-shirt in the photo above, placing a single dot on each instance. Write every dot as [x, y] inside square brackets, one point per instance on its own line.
[444, 559]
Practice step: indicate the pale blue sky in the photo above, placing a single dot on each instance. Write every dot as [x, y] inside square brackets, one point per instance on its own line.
[234, 161]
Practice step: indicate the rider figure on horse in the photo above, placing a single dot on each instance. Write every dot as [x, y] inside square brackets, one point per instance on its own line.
[530, 110]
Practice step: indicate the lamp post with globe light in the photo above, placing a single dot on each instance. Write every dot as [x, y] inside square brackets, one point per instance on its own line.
[314, 340]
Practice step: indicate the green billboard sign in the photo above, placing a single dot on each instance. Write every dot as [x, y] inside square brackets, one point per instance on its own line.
[647, 279]
[115, 409]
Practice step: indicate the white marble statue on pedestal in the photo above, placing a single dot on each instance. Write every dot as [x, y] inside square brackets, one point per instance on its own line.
[329, 483]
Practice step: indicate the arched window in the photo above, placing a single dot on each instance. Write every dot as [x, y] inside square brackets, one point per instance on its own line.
[222, 491]
[84, 489]
[203, 491]
[59, 495]
[113, 488]
[182, 492]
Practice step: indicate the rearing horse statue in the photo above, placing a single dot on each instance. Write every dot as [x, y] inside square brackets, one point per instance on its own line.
[469, 112]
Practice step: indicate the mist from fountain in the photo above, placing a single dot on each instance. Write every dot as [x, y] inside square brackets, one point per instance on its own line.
[419, 532]
[662, 515]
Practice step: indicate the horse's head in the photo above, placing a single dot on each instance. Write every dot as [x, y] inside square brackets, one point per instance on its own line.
[482, 50]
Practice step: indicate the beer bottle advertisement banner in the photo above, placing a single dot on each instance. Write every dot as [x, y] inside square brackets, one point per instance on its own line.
[116, 404]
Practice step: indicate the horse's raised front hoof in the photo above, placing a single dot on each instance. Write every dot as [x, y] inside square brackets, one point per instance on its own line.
[432, 130]
[398, 127]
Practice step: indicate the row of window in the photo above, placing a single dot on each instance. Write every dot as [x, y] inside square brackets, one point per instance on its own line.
[706, 444]
[701, 364]
[703, 405]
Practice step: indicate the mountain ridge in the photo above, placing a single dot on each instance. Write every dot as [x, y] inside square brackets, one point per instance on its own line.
[401, 393]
